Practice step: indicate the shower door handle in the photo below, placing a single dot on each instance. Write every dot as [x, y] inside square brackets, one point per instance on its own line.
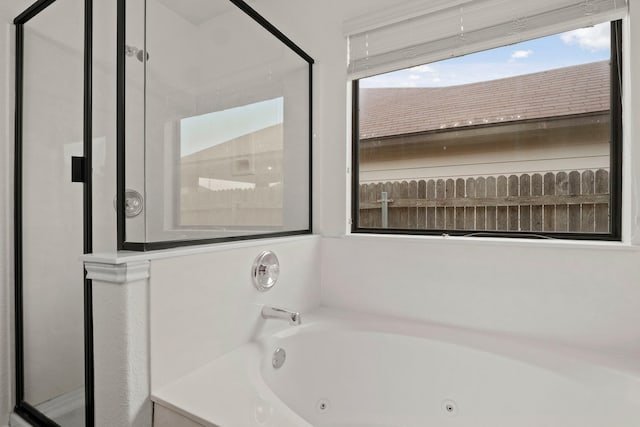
[78, 169]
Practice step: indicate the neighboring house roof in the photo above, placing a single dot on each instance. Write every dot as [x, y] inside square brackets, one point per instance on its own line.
[575, 90]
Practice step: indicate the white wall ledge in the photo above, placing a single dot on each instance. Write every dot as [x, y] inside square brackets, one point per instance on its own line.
[120, 273]
[125, 257]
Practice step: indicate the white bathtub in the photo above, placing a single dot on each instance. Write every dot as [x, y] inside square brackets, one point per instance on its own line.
[349, 370]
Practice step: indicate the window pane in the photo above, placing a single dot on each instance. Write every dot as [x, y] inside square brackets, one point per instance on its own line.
[218, 118]
[51, 237]
[231, 166]
[514, 139]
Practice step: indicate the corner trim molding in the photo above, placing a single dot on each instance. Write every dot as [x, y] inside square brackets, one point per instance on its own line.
[118, 273]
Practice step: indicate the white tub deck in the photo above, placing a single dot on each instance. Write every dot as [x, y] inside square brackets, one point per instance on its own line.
[326, 359]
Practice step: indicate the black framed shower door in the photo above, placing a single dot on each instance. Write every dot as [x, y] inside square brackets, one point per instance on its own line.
[80, 173]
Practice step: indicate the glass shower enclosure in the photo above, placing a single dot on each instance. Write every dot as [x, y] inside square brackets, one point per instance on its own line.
[215, 134]
[52, 225]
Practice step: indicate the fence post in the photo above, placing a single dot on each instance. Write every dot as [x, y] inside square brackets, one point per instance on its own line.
[502, 223]
[602, 209]
[588, 217]
[525, 210]
[385, 209]
[562, 210]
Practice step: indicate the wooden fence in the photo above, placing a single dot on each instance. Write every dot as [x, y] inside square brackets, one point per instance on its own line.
[248, 207]
[552, 202]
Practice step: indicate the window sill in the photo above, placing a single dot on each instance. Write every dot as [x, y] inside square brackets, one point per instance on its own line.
[496, 241]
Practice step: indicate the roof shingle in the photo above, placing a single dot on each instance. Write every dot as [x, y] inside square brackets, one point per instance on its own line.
[574, 90]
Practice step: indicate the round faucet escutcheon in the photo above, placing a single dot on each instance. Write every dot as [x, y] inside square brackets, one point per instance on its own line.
[265, 271]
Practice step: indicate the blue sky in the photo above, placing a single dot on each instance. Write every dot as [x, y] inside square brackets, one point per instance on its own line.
[561, 50]
[201, 132]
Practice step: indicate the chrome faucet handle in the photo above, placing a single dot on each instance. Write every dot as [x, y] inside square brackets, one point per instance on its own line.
[265, 271]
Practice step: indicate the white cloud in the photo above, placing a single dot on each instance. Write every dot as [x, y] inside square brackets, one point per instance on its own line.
[591, 38]
[521, 54]
[453, 74]
[414, 77]
[423, 69]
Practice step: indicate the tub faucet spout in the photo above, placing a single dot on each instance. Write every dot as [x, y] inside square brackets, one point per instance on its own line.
[293, 317]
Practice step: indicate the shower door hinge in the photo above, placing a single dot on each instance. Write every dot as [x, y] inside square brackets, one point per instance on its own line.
[78, 169]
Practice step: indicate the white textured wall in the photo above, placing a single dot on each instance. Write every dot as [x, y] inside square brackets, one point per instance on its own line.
[121, 354]
[586, 295]
[205, 305]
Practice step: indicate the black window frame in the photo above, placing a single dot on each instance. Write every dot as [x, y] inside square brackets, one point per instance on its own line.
[615, 182]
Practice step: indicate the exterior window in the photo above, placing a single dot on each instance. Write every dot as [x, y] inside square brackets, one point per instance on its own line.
[520, 140]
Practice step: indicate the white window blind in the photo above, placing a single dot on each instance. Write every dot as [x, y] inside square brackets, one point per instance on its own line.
[447, 31]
